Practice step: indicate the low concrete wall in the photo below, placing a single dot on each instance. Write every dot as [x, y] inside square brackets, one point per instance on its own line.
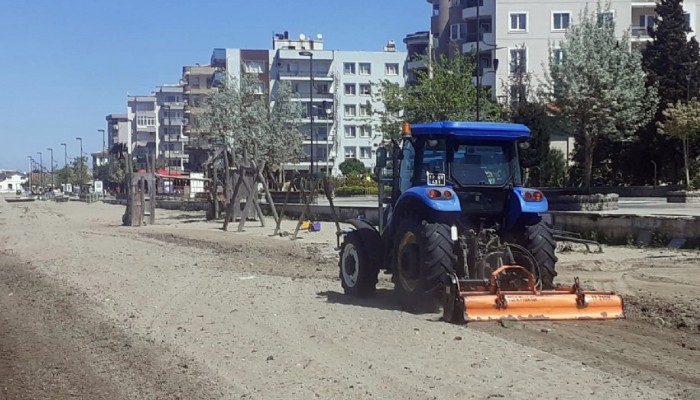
[622, 191]
[630, 228]
[681, 196]
[605, 228]
[593, 202]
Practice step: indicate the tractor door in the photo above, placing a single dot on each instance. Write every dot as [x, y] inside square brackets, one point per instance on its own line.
[408, 157]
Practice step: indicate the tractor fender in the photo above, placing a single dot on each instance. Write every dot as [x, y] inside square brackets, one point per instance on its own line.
[521, 208]
[442, 204]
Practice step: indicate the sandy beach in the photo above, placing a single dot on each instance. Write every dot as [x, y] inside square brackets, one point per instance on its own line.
[183, 310]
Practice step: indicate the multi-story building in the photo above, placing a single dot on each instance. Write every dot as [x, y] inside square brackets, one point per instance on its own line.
[515, 36]
[143, 120]
[197, 81]
[172, 140]
[334, 89]
[117, 129]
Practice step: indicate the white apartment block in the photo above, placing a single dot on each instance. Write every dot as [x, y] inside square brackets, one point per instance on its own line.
[155, 126]
[515, 35]
[338, 102]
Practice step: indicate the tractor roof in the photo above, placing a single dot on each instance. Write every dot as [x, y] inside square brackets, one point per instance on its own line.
[472, 130]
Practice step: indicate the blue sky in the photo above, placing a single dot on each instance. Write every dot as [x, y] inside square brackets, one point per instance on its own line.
[66, 64]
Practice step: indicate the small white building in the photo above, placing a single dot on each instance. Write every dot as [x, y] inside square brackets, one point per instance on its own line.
[11, 181]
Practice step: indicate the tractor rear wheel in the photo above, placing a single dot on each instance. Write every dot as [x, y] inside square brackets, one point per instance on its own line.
[358, 267]
[424, 258]
[539, 240]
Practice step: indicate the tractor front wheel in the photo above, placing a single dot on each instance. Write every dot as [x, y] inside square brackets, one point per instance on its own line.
[358, 267]
[424, 258]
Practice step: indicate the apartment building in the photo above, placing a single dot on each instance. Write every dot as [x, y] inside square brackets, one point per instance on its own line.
[117, 129]
[514, 36]
[197, 83]
[171, 119]
[143, 128]
[333, 87]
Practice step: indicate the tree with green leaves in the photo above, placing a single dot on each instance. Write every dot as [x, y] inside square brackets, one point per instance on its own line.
[682, 121]
[599, 86]
[445, 92]
[352, 167]
[672, 64]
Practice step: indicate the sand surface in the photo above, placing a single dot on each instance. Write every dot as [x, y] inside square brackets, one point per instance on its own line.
[183, 310]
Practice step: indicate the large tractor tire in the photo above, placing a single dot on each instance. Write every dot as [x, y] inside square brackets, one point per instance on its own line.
[424, 258]
[539, 240]
[359, 267]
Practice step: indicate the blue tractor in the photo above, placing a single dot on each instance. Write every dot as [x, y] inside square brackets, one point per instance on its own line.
[455, 209]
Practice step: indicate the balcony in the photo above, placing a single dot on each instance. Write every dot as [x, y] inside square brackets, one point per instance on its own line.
[304, 75]
[471, 39]
[639, 33]
[186, 89]
[486, 8]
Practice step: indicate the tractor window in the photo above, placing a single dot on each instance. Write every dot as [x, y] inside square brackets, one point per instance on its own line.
[434, 159]
[407, 161]
[483, 164]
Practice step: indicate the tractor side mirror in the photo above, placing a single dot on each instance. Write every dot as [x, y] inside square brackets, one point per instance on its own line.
[381, 157]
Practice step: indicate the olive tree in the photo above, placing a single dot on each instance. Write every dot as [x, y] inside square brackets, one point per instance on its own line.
[682, 121]
[598, 87]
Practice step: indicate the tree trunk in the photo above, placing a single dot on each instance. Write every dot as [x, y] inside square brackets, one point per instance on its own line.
[588, 146]
[685, 160]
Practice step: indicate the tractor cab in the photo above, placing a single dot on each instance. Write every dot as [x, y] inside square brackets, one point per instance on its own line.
[475, 161]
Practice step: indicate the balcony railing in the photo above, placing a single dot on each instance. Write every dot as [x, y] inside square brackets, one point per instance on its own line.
[640, 32]
[304, 74]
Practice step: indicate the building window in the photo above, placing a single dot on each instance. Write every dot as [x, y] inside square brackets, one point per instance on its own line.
[436, 10]
[686, 17]
[606, 18]
[350, 131]
[350, 89]
[365, 89]
[365, 152]
[349, 68]
[365, 131]
[364, 110]
[561, 21]
[557, 56]
[253, 67]
[518, 61]
[258, 88]
[350, 152]
[646, 21]
[145, 121]
[457, 31]
[295, 88]
[365, 68]
[517, 94]
[171, 99]
[391, 69]
[350, 110]
[195, 82]
[518, 22]
[322, 88]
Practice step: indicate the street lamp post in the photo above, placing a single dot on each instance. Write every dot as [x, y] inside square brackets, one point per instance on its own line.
[31, 171]
[328, 134]
[53, 182]
[168, 136]
[65, 161]
[80, 160]
[478, 63]
[41, 170]
[311, 108]
[104, 148]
